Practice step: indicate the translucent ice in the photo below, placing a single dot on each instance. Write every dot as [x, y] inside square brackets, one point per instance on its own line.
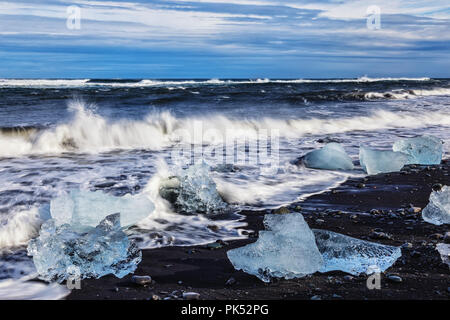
[82, 208]
[287, 249]
[438, 209]
[378, 161]
[61, 252]
[444, 251]
[193, 191]
[354, 256]
[425, 150]
[331, 157]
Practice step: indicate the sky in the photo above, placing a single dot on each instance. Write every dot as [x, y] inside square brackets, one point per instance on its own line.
[224, 39]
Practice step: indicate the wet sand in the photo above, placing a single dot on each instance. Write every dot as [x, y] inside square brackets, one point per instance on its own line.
[347, 210]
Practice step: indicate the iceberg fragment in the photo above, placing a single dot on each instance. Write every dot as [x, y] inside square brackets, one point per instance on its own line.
[83, 208]
[354, 256]
[60, 252]
[331, 157]
[444, 251]
[425, 150]
[378, 161]
[438, 209]
[287, 249]
[193, 191]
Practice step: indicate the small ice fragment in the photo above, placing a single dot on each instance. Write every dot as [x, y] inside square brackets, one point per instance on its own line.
[82, 208]
[61, 252]
[193, 191]
[424, 150]
[354, 256]
[287, 249]
[331, 157]
[444, 251]
[438, 209]
[378, 161]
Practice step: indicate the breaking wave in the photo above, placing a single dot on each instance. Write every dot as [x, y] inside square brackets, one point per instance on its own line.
[407, 94]
[61, 83]
[88, 132]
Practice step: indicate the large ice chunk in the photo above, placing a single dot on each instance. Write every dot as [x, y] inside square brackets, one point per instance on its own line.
[83, 208]
[354, 256]
[193, 191]
[61, 252]
[331, 157]
[287, 249]
[425, 150]
[378, 161]
[438, 209]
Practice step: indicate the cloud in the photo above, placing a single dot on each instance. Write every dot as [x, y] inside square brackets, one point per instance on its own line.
[214, 29]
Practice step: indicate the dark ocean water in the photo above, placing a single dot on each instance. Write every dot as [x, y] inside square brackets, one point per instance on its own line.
[56, 135]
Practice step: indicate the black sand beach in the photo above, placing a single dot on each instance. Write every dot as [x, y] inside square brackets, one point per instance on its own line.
[347, 209]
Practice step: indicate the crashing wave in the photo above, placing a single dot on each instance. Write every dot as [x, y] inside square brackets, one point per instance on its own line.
[88, 132]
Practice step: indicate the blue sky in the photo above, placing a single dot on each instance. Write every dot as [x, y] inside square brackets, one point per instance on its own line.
[224, 39]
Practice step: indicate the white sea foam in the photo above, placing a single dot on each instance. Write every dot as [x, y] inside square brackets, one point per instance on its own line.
[408, 94]
[13, 289]
[90, 133]
[18, 227]
[63, 83]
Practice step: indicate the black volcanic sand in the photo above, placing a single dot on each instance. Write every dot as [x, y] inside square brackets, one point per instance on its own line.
[346, 209]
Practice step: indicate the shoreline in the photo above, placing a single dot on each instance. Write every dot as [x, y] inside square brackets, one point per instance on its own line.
[347, 209]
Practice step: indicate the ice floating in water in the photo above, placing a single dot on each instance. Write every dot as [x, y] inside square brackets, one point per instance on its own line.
[61, 252]
[331, 157]
[438, 209]
[83, 208]
[193, 191]
[287, 249]
[354, 256]
[425, 150]
[378, 161]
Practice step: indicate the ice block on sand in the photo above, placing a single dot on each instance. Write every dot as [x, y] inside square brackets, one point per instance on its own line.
[61, 252]
[83, 208]
[379, 161]
[193, 191]
[438, 209]
[354, 256]
[331, 157]
[287, 249]
[425, 150]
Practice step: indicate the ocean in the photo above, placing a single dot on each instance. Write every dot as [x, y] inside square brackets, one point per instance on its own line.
[124, 136]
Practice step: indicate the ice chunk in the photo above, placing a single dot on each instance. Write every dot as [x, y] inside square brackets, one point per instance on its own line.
[193, 191]
[287, 249]
[378, 161]
[444, 251]
[61, 252]
[354, 256]
[438, 209]
[425, 150]
[82, 208]
[331, 157]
